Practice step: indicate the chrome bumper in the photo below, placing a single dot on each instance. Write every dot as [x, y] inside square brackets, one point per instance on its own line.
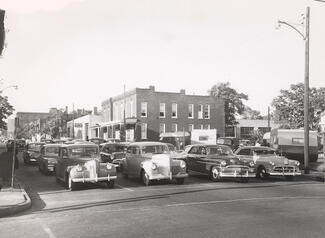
[170, 177]
[93, 180]
[284, 173]
[236, 174]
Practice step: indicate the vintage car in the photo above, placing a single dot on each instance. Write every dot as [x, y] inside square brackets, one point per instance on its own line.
[80, 163]
[232, 142]
[218, 161]
[113, 152]
[268, 162]
[48, 158]
[32, 153]
[176, 154]
[152, 161]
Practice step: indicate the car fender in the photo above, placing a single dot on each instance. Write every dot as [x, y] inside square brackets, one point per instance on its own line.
[146, 166]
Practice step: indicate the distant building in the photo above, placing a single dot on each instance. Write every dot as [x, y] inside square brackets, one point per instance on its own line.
[144, 113]
[84, 127]
[245, 127]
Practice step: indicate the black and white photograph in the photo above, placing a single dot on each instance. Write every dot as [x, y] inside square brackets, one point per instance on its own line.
[162, 118]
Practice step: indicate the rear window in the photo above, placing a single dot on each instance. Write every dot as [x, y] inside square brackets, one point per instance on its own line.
[80, 152]
[219, 151]
[224, 141]
[154, 149]
[51, 150]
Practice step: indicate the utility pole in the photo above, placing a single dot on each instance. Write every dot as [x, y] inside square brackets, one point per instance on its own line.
[306, 94]
[306, 85]
[268, 119]
[73, 120]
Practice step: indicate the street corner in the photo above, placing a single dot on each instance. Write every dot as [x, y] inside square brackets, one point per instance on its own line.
[13, 201]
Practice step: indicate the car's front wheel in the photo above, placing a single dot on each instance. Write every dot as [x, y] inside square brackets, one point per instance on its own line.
[215, 174]
[145, 178]
[261, 173]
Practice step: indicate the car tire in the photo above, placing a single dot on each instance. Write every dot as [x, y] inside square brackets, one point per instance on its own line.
[180, 180]
[289, 178]
[215, 174]
[110, 184]
[145, 178]
[261, 173]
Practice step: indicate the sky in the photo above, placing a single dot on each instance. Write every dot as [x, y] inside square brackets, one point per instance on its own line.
[82, 52]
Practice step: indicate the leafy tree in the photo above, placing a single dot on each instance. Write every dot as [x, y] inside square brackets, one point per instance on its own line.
[252, 114]
[6, 109]
[289, 106]
[233, 101]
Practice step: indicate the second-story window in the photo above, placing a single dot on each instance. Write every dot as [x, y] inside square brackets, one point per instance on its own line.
[206, 112]
[162, 110]
[200, 112]
[174, 110]
[143, 109]
[190, 110]
[162, 128]
[174, 127]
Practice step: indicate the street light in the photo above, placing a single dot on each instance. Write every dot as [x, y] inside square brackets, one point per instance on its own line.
[306, 90]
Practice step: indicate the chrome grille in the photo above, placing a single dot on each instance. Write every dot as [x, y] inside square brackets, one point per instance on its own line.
[285, 169]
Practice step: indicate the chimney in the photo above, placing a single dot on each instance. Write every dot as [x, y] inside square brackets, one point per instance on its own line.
[182, 91]
[152, 88]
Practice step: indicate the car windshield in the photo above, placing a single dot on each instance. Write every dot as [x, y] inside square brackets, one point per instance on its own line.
[224, 141]
[82, 152]
[51, 150]
[114, 148]
[171, 147]
[265, 152]
[154, 149]
[219, 151]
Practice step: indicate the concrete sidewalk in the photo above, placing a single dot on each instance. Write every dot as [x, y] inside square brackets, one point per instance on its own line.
[13, 200]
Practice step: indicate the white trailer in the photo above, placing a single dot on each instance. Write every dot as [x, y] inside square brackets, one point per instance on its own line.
[204, 136]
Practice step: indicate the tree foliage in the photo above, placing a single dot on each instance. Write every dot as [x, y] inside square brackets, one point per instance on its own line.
[6, 109]
[233, 101]
[289, 106]
[251, 114]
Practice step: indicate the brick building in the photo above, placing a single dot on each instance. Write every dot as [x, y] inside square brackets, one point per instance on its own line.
[144, 113]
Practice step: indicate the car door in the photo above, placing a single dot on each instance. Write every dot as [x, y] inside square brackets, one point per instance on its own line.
[193, 155]
[132, 157]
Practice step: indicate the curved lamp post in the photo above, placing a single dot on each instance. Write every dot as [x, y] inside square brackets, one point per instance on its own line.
[306, 90]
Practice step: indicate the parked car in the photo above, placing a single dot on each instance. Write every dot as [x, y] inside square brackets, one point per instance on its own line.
[80, 163]
[152, 161]
[176, 154]
[232, 142]
[113, 152]
[48, 158]
[268, 162]
[32, 153]
[218, 161]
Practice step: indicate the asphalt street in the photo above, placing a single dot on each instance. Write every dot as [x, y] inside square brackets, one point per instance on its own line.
[199, 208]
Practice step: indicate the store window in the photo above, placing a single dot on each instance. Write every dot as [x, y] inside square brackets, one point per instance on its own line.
[174, 127]
[162, 127]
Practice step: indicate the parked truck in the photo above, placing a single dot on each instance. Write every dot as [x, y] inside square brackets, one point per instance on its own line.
[290, 143]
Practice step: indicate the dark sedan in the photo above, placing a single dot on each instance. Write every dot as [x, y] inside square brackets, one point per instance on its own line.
[217, 161]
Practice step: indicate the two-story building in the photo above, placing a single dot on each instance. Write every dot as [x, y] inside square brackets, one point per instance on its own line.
[144, 113]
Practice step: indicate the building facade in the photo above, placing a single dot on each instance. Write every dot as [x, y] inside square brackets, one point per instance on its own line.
[143, 113]
[84, 127]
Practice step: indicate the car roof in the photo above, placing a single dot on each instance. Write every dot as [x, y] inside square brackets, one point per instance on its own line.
[146, 143]
[52, 145]
[256, 147]
[115, 143]
[210, 145]
[79, 145]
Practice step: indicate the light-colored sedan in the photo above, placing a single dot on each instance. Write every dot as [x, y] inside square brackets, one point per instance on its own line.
[152, 161]
[268, 162]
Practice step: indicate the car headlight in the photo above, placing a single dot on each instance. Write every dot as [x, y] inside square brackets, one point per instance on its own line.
[153, 166]
[182, 164]
[223, 163]
[79, 168]
[272, 163]
[109, 166]
[251, 164]
[297, 163]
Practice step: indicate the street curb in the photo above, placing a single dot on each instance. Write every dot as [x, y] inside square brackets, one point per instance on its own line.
[313, 177]
[11, 210]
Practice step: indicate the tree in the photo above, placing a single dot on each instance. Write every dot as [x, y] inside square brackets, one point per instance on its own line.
[289, 106]
[6, 109]
[252, 114]
[233, 101]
